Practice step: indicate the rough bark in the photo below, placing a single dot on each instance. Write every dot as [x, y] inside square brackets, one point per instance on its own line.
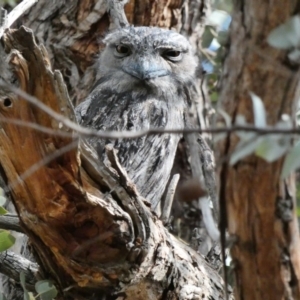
[127, 234]
[10, 222]
[72, 32]
[91, 230]
[266, 253]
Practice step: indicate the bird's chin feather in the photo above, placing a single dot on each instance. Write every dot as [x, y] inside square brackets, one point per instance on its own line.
[122, 82]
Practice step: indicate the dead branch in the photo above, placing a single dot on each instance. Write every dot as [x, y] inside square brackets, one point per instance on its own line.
[117, 14]
[89, 226]
[12, 265]
[19, 10]
[88, 132]
[10, 222]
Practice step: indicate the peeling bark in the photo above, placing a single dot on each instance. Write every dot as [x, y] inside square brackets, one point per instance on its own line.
[91, 230]
[73, 205]
[72, 35]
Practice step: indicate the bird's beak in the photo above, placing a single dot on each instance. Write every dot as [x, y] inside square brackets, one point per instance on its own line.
[145, 69]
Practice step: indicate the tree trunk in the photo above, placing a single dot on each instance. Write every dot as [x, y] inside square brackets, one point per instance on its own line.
[266, 253]
[92, 232]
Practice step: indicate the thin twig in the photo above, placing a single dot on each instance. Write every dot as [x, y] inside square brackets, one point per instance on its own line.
[169, 199]
[3, 21]
[88, 132]
[37, 127]
[16, 13]
[19, 10]
[10, 222]
[115, 9]
[82, 131]
[3, 18]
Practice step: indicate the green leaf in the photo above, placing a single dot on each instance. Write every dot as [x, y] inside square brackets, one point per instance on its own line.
[6, 240]
[214, 96]
[23, 284]
[222, 37]
[219, 57]
[244, 148]
[287, 35]
[225, 116]
[31, 296]
[3, 211]
[294, 56]
[2, 297]
[258, 111]
[271, 148]
[46, 289]
[22, 280]
[292, 161]
[274, 146]
[207, 36]
[217, 18]
[219, 137]
[11, 3]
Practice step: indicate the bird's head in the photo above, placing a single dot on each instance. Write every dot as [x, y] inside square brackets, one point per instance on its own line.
[147, 56]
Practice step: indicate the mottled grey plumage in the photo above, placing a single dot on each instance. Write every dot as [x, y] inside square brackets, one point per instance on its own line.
[146, 80]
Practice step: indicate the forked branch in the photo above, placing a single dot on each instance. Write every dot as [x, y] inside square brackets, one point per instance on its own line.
[89, 226]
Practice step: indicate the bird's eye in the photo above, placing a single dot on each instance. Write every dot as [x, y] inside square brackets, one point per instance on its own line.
[173, 55]
[122, 50]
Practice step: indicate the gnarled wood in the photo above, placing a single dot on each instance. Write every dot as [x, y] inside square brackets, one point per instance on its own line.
[72, 32]
[91, 229]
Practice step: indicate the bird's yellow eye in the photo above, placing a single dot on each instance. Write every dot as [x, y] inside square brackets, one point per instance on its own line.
[173, 55]
[122, 50]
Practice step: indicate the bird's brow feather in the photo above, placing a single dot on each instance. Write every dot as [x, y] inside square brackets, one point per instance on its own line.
[162, 46]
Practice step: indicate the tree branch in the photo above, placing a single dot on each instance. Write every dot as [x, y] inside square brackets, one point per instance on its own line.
[117, 14]
[165, 214]
[18, 11]
[88, 132]
[12, 265]
[10, 222]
